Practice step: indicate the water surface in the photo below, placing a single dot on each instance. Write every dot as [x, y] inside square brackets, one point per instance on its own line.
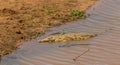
[102, 50]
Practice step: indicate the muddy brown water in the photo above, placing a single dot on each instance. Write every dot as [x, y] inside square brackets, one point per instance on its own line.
[103, 49]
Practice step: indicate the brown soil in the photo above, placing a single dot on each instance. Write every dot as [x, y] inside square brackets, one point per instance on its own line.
[22, 20]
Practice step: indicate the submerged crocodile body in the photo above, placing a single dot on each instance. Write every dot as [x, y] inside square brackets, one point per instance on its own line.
[68, 37]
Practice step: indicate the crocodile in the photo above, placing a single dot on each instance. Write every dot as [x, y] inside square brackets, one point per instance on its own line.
[67, 37]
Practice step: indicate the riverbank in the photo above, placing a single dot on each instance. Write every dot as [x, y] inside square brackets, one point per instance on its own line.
[23, 20]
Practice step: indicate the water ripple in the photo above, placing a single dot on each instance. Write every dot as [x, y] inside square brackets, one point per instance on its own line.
[103, 50]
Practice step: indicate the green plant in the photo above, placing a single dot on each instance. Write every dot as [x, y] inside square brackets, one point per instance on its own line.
[50, 12]
[78, 13]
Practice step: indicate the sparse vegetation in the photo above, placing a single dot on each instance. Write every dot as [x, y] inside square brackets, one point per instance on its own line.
[22, 20]
[77, 13]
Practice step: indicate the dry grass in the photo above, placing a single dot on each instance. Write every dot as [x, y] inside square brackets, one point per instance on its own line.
[22, 20]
